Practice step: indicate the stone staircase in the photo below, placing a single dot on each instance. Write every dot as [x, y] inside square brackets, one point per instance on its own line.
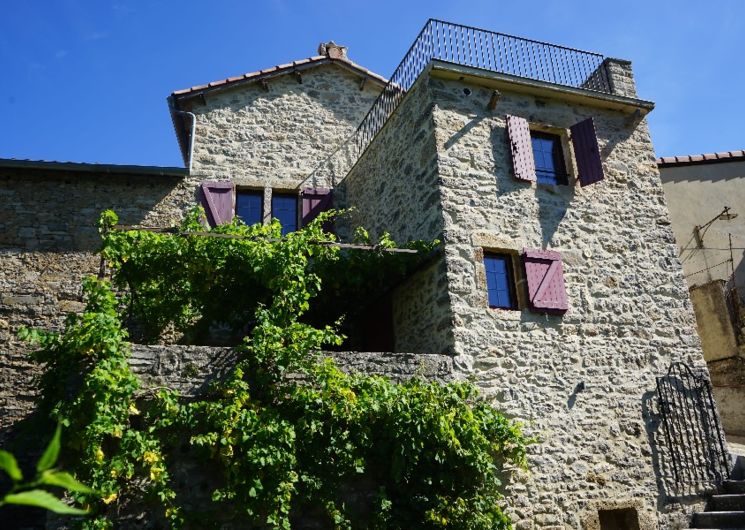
[727, 508]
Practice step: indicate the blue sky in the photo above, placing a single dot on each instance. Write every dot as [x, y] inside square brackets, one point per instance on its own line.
[86, 80]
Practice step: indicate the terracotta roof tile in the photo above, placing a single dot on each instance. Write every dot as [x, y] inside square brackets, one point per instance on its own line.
[178, 119]
[706, 157]
[278, 68]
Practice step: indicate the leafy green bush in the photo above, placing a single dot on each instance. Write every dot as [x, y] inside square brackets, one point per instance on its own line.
[354, 451]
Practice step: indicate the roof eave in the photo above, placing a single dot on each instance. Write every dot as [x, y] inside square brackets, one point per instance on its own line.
[277, 71]
[108, 169]
[179, 128]
[708, 158]
[502, 81]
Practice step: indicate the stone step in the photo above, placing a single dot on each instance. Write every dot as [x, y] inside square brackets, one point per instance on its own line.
[734, 486]
[727, 502]
[731, 519]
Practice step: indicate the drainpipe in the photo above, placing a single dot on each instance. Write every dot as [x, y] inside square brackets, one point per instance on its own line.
[193, 129]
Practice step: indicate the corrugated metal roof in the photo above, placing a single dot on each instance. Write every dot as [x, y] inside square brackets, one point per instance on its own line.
[50, 165]
[725, 156]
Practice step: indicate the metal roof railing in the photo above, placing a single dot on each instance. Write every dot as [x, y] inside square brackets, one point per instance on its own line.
[477, 48]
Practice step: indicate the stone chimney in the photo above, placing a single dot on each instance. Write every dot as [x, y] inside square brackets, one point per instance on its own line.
[332, 50]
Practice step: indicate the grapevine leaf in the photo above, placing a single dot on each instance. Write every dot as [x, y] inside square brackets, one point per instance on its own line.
[9, 464]
[43, 499]
[49, 458]
[65, 480]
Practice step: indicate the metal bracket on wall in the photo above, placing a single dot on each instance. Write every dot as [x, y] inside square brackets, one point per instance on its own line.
[699, 231]
[634, 118]
[495, 96]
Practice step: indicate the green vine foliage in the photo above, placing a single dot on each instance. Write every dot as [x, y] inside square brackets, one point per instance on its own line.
[286, 436]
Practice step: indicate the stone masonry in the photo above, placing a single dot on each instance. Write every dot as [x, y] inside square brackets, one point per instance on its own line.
[584, 382]
[189, 369]
[48, 241]
[261, 137]
[272, 138]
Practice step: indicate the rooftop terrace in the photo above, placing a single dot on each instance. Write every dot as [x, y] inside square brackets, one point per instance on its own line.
[492, 53]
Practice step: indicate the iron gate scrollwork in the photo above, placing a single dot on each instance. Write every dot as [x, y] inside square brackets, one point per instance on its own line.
[692, 430]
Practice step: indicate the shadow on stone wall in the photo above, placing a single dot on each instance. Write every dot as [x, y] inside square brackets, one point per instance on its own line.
[681, 475]
[660, 461]
[464, 130]
[26, 439]
[59, 212]
[553, 202]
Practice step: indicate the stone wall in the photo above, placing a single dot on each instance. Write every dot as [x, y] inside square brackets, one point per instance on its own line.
[58, 210]
[584, 382]
[276, 137]
[394, 188]
[48, 240]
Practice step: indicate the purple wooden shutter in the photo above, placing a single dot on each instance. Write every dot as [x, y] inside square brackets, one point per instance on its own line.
[217, 199]
[545, 277]
[521, 147]
[315, 201]
[587, 152]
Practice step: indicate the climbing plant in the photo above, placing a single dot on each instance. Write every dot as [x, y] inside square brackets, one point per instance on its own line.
[286, 434]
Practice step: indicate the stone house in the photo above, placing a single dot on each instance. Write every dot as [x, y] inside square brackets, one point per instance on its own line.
[704, 194]
[559, 290]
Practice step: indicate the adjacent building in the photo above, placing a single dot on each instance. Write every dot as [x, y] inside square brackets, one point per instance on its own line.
[706, 194]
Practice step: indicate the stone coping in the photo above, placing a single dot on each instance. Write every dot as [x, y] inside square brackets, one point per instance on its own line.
[190, 369]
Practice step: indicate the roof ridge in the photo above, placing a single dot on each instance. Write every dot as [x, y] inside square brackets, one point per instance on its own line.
[257, 74]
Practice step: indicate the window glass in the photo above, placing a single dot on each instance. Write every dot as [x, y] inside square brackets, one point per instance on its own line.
[249, 206]
[549, 158]
[499, 281]
[284, 209]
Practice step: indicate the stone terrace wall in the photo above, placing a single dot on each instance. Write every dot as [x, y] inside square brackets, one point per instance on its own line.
[394, 188]
[189, 369]
[629, 316]
[277, 137]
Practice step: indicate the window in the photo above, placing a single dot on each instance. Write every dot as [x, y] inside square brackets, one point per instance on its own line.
[539, 156]
[534, 282]
[548, 157]
[249, 206]
[500, 281]
[221, 202]
[284, 209]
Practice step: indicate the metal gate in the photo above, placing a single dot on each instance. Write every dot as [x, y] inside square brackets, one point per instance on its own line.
[693, 434]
